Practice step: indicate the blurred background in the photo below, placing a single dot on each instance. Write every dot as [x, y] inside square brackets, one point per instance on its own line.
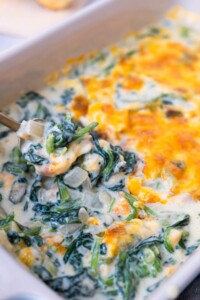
[22, 19]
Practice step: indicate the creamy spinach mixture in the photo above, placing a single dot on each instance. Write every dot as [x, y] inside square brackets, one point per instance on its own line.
[102, 199]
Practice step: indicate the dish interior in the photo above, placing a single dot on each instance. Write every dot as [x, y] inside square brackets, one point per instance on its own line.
[109, 210]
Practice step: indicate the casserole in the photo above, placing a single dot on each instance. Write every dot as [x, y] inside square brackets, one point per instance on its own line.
[32, 86]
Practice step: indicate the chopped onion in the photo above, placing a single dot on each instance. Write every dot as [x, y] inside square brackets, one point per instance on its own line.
[105, 198]
[108, 219]
[74, 194]
[31, 128]
[42, 196]
[83, 215]
[48, 182]
[75, 177]
[3, 213]
[87, 185]
[18, 190]
[90, 199]
[69, 229]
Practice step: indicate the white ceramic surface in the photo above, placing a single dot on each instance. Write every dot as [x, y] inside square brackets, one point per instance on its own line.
[23, 68]
[17, 281]
[7, 41]
[26, 18]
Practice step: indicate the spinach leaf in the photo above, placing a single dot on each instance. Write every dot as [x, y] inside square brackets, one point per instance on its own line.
[4, 133]
[84, 239]
[184, 221]
[110, 161]
[30, 96]
[76, 261]
[152, 240]
[131, 199]
[95, 258]
[55, 218]
[5, 223]
[73, 286]
[26, 206]
[141, 261]
[65, 132]
[43, 208]
[14, 238]
[62, 133]
[51, 213]
[29, 237]
[111, 205]
[130, 53]
[50, 143]
[169, 99]
[148, 261]
[16, 155]
[191, 249]
[18, 160]
[185, 31]
[100, 151]
[29, 231]
[168, 238]
[79, 133]
[68, 205]
[67, 96]
[108, 69]
[154, 286]
[42, 272]
[129, 157]
[153, 31]
[13, 168]
[41, 112]
[132, 215]
[33, 158]
[36, 186]
[103, 249]
[125, 277]
[150, 212]
[131, 161]
[63, 191]
[108, 285]
[117, 187]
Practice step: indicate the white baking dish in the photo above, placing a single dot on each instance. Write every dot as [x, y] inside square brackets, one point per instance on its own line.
[24, 68]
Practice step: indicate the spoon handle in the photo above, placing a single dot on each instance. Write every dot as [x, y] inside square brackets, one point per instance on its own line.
[8, 122]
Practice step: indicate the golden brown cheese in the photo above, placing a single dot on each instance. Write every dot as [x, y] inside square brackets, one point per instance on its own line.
[130, 231]
[163, 141]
